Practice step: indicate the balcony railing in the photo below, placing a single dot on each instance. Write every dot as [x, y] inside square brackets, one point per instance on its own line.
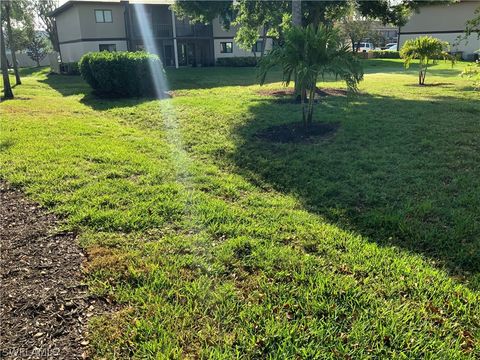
[183, 30]
[193, 30]
[162, 30]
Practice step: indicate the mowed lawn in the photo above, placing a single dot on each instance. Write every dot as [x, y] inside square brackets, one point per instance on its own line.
[215, 243]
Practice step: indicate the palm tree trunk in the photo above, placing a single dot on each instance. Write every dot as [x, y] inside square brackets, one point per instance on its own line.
[12, 45]
[7, 88]
[311, 102]
[304, 108]
[297, 21]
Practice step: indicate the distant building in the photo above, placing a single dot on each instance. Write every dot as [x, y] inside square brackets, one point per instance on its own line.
[446, 22]
[96, 25]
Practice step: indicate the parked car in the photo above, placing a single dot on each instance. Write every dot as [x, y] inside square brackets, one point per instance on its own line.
[365, 47]
[393, 47]
[389, 45]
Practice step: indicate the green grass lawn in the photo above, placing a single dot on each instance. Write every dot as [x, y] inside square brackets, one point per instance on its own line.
[216, 244]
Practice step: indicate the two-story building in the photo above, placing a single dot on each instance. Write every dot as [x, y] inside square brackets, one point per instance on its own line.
[447, 22]
[113, 25]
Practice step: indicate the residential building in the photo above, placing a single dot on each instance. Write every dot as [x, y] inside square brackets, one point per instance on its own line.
[113, 25]
[446, 22]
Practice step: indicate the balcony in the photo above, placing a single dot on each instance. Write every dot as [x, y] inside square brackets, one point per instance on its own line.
[184, 29]
[162, 30]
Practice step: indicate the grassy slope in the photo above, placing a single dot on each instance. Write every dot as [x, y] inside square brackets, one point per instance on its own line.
[218, 245]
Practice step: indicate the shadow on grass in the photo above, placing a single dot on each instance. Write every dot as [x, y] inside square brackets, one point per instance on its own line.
[67, 85]
[407, 177]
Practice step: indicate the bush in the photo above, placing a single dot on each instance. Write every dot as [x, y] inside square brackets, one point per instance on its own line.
[385, 54]
[70, 68]
[119, 74]
[237, 61]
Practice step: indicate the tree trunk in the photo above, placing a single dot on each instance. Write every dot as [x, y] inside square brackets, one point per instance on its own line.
[304, 108]
[311, 102]
[264, 43]
[7, 88]
[297, 12]
[297, 21]
[12, 45]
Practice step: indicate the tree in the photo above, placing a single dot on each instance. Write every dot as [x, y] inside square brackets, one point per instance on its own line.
[472, 71]
[473, 25]
[297, 13]
[7, 88]
[254, 15]
[427, 50]
[42, 9]
[356, 30]
[17, 11]
[7, 13]
[309, 53]
[204, 11]
[37, 49]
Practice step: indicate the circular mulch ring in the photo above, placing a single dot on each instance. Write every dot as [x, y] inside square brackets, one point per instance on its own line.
[297, 133]
[289, 92]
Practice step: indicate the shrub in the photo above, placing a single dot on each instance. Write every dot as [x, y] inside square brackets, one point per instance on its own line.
[386, 54]
[237, 61]
[70, 68]
[119, 74]
[472, 71]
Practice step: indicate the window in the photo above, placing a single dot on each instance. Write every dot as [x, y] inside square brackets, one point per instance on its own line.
[226, 47]
[258, 46]
[107, 47]
[103, 16]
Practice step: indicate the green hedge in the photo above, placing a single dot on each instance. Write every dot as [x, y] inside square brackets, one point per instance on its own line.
[237, 61]
[385, 54]
[119, 74]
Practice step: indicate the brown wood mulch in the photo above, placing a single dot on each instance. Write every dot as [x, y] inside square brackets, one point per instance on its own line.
[321, 92]
[44, 305]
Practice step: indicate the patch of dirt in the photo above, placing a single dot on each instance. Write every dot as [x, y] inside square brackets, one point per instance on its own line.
[288, 92]
[331, 92]
[432, 85]
[296, 133]
[44, 304]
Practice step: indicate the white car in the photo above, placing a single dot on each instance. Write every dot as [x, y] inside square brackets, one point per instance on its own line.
[393, 47]
[389, 45]
[365, 47]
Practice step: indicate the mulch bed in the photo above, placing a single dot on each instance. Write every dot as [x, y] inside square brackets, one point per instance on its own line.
[288, 92]
[44, 304]
[296, 133]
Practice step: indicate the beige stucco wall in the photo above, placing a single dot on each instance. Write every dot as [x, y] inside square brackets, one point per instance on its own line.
[222, 35]
[92, 29]
[468, 47]
[68, 25]
[445, 22]
[74, 51]
[442, 17]
[237, 51]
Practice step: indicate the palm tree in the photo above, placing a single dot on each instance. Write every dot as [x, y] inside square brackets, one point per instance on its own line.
[309, 53]
[7, 88]
[427, 50]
